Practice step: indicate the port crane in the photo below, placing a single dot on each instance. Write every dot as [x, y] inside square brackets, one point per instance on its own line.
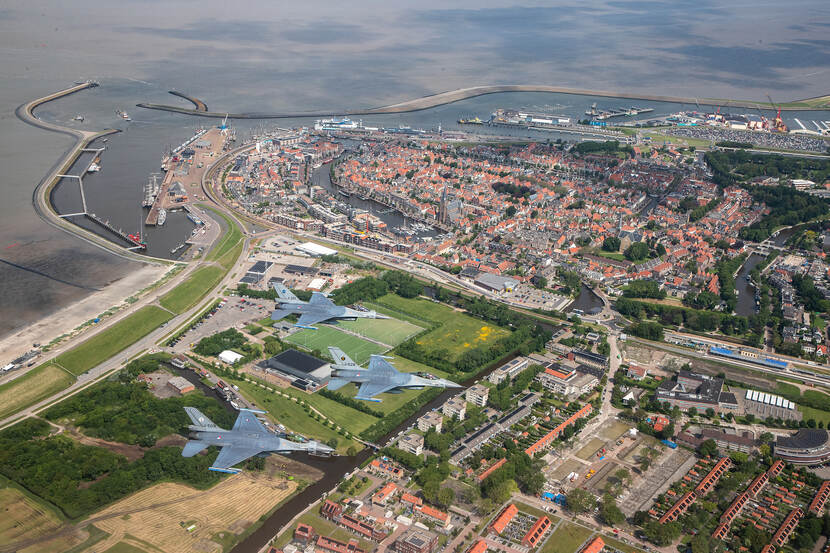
[778, 123]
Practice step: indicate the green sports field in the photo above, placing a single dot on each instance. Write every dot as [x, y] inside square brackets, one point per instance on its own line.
[456, 333]
[356, 348]
[388, 331]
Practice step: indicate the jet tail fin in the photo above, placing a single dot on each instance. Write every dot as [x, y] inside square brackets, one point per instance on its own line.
[284, 293]
[193, 447]
[340, 357]
[199, 419]
[337, 383]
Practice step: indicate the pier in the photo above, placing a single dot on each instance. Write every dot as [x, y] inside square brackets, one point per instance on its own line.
[43, 190]
[135, 240]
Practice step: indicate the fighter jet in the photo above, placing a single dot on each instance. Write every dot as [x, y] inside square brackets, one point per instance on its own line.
[318, 309]
[379, 377]
[247, 438]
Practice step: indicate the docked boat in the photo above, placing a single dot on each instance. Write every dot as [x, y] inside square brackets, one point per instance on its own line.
[344, 193]
[93, 168]
[162, 218]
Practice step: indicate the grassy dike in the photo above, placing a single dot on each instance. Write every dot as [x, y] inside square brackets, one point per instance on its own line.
[19, 393]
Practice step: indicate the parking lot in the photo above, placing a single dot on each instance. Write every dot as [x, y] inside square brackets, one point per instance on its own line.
[236, 312]
[534, 298]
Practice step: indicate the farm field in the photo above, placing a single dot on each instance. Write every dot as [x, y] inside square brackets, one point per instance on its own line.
[457, 332]
[189, 292]
[157, 518]
[23, 517]
[36, 385]
[325, 335]
[387, 331]
[288, 413]
[110, 341]
[567, 538]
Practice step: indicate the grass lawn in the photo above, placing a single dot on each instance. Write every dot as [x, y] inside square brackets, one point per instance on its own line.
[817, 414]
[353, 420]
[458, 332]
[107, 343]
[535, 511]
[567, 538]
[186, 294]
[387, 331]
[616, 256]
[231, 238]
[325, 335]
[36, 385]
[290, 414]
[323, 527]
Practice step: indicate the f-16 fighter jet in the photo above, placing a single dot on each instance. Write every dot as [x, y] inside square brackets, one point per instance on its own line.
[247, 438]
[379, 377]
[318, 309]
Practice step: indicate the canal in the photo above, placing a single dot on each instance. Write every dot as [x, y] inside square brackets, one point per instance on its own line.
[745, 288]
[586, 301]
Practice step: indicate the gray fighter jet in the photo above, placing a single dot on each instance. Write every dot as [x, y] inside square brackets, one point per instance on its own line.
[247, 438]
[379, 377]
[318, 309]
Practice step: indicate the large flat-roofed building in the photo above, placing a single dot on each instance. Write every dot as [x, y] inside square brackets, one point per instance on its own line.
[509, 370]
[566, 381]
[300, 270]
[808, 446]
[594, 360]
[315, 250]
[695, 390]
[496, 283]
[416, 541]
[296, 364]
[744, 442]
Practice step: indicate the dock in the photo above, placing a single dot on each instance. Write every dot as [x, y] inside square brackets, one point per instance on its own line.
[135, 240]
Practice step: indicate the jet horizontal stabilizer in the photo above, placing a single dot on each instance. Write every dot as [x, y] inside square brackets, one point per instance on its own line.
[280, 314]
[193, 447]
[337, 383]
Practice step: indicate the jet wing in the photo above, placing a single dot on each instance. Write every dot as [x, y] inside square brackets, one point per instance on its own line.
[248, 422]
[308, 319]
[368, 390]
[320, 300]
[380, 366]
[284, 293]
[231, 455]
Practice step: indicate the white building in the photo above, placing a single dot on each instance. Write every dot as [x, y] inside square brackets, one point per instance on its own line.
[567, 382]
[229, 357]
[314, 250]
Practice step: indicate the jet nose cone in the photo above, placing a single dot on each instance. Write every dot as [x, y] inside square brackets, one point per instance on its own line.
[380, 315]
[450, 384]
